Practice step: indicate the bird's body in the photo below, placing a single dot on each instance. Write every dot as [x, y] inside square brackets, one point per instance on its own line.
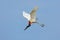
[30, 17]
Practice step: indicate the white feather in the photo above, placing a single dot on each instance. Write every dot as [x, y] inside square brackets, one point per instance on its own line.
[26, 15]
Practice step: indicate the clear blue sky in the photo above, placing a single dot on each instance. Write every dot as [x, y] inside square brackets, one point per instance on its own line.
[12, 23]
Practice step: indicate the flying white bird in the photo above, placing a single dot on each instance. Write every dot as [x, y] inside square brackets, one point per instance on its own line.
[31, 18]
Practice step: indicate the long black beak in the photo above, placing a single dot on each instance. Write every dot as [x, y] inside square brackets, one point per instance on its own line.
[27, 26]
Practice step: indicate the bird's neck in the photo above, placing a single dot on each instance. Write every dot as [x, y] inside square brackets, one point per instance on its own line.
[30, 22]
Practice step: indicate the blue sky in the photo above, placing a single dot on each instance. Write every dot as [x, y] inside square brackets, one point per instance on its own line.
[12, 23]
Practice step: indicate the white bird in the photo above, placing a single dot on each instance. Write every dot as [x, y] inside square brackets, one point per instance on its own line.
[31, 17]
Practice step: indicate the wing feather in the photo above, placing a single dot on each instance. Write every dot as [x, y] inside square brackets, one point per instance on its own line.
[33, 14]
[26, 15]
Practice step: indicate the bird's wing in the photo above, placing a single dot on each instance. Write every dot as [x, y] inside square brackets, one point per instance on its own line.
[26, 15]
[33, 13]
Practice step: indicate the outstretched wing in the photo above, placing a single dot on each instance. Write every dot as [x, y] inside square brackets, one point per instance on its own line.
[26, 15]
[33, 14]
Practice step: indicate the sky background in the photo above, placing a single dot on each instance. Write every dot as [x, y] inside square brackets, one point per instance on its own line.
[12, 22]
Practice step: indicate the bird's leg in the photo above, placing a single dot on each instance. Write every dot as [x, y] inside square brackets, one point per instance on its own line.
[42, 25]
[34, 22]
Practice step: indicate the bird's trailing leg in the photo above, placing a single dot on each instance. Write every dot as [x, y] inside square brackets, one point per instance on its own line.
[42, 25]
